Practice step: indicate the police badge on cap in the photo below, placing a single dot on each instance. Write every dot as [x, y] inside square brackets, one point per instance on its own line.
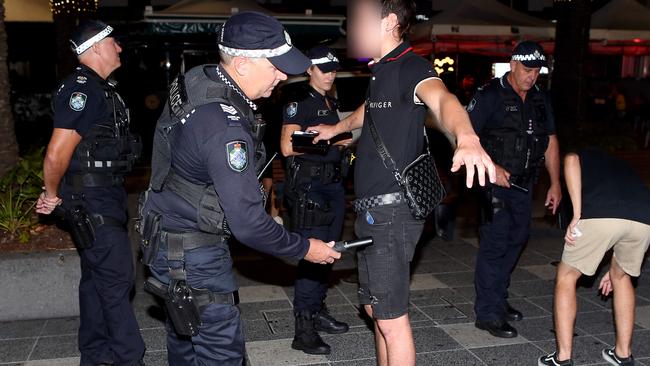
[253, 34]
[324, 58]
[530, 53]
[87, 34]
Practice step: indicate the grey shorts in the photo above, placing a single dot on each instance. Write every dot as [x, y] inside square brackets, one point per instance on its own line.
[384, 267]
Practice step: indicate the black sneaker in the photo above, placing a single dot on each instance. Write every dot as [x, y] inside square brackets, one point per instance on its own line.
[553, 361]
[609, 355]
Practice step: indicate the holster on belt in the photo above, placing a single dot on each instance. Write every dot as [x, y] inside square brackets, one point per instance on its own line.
[306, 213]
[82, 224]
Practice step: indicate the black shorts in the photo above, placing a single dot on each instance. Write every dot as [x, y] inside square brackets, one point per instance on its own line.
[384, 267]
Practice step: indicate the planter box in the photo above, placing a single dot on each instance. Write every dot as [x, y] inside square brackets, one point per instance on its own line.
[39, 285]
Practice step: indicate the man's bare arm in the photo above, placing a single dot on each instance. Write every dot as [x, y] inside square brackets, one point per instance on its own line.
[286, 147]
[573, 178]
[447, 109]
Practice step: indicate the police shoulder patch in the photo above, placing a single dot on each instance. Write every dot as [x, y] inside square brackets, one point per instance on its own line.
[292, 109]
[237, 155]
[78, 101]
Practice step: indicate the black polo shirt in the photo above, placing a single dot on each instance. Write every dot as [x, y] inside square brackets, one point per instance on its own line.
[486, 109]
[611, 189]
[311, 108]
[398, 115]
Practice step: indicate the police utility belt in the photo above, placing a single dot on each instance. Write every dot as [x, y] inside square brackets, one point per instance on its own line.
[305, 169]
[184, 303]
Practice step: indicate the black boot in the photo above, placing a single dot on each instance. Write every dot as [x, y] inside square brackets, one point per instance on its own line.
[306, 338]
[324, 322]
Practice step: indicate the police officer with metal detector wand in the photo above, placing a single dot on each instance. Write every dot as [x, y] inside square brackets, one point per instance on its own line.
[90, 151]
[204, 189]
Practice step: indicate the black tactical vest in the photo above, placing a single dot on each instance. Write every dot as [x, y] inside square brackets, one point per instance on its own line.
[109, 148]
[188, 92]
[519, 142]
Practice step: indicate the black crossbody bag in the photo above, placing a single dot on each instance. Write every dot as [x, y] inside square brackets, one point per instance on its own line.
[419, 180]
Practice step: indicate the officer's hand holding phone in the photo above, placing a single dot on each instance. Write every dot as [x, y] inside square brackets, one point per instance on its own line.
[321, 252]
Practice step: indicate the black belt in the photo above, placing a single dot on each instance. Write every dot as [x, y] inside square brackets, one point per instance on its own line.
[191, 240]
[367, 203]
[203, 297]
[93, 180]
[327, 172]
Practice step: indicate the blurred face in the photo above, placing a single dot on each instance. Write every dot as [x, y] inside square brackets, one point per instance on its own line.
[109, 52]
[321, 80]
[259, 77]
[365, 25]
[524, 78]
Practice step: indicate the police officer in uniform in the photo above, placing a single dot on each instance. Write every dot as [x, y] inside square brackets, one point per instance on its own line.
[316, 198]
[90, 151]
[204, 189]
[514, 120]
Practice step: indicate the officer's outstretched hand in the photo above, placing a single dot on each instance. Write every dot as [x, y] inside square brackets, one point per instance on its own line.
[470, 153]
[321, 252]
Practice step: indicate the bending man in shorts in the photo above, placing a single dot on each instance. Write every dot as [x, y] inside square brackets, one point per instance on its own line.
[611, 210]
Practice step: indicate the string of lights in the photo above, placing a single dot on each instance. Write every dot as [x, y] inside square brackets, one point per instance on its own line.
[73, 6]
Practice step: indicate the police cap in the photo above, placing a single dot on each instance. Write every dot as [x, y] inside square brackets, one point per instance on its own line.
[324, 58]
[87, 34]
[530, 53]
[253, 34]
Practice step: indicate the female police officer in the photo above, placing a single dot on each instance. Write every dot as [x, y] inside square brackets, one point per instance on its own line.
[315, 194]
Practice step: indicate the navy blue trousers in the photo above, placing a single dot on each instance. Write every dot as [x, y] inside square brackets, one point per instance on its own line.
[501, 243]
[312, 279]
[221, 339]
[108, 330]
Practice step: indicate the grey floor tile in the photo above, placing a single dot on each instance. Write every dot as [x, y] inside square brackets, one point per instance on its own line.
[450, 358]
[586, 349]
[468, 315]
[528, 308]
[513, 354]
[358, 362]
[429, 339]
[348, 347]
[155, 339]
[61, 326]
[55, 347]
[640, 342]
[253, 310]
[440, 296]
[519, 275]
[458, 279]
[441, 313]
[468, 336]
[279, 353]
[16, 350]
[21, 329]
[258, 330]
[158, 358]
[596, 322]
[546, 303]
[531, 288]
[643, 316]
[537, 329]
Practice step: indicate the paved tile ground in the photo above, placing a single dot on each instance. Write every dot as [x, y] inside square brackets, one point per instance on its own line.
[441, 314]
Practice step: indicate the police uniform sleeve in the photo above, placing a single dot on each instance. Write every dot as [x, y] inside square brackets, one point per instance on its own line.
[229, 158]
[480, 108]
[295, 113]
[76, 107]
[414, 71]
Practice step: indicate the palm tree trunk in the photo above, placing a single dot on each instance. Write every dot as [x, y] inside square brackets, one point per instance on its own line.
[8, 144]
